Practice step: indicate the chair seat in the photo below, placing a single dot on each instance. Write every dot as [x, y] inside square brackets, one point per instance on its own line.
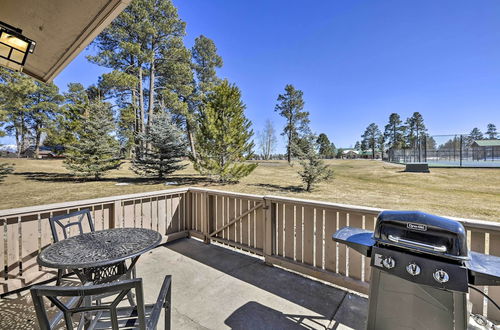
[127, 317]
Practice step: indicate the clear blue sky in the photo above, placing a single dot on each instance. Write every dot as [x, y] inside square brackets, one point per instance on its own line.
[356, 61]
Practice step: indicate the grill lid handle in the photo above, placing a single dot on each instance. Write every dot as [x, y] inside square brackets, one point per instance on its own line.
[434, 248]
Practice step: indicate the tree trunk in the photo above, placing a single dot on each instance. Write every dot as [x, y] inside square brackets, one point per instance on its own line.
[18, 144]
[289, 149]
[191, 140]
[151, 92]
[37, 141]
[141, 100]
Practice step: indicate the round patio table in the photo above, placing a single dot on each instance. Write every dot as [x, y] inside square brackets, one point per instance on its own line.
[100, 256]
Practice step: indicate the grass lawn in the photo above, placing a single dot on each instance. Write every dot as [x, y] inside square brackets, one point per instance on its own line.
[466, 193]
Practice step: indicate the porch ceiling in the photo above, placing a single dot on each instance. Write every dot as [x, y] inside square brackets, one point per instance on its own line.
[60, 28]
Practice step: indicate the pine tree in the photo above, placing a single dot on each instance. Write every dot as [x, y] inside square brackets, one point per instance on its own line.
[326, 148]
[96, 150]
[393, 133]
[371, 138]
[166, 147]
[44, 107]
[291, 105]
[491, 131]
[314, 170]
[224, 136]
[474, 135]
[416, 131]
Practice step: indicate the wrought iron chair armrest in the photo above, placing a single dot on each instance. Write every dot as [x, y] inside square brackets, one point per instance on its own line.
[164, 300]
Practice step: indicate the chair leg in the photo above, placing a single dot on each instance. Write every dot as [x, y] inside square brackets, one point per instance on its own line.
[59, 277]
[130, 294]
[168, 309]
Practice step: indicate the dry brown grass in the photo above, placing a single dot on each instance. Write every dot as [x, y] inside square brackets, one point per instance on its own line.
[466, 193]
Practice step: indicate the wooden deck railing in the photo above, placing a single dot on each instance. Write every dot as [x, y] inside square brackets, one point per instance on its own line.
[287, 232]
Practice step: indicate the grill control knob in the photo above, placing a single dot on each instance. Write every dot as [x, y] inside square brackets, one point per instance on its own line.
[441, 276]
[388, 263]
[413, 269]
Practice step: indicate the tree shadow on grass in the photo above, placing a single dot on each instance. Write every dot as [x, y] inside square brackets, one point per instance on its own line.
[279, 188]
[68, 177]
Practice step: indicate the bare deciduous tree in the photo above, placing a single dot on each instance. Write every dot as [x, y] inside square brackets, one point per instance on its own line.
[267, 140]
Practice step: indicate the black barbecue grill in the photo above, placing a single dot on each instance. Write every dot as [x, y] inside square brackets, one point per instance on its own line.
[421, 270]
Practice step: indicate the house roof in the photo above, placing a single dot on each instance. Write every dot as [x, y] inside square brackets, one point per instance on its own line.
[486, 143]
[60, 28]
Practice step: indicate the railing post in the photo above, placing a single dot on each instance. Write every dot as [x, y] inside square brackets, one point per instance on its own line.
[114, 216]
[269, 232]
[205, 207]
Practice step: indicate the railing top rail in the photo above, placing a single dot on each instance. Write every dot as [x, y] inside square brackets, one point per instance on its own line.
[94, 201]
[346, 207]
[226, 193]
[469, 223]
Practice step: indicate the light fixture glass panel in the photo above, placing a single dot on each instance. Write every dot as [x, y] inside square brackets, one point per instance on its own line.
[9, 64]
[17, 56]
[4, 50]
[14, 41]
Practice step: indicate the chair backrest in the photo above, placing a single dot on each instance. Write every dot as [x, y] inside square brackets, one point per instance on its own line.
[86, 310]
[79, 215]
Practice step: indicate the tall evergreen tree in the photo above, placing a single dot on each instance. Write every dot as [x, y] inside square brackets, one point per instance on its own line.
[326, 148]
[291, 105]
[177, 88]
[70, 119]
[205, 62]
[134, 44]
[15, 102]
[224, 136]
[371, 138]
[96, 151]
[475, 134]
[491, 131]
[393, 132]
[44, 107]
[163, 157]
[314, 170]
[416, 131]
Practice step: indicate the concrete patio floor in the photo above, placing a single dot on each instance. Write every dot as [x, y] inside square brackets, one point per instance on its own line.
[217, 288]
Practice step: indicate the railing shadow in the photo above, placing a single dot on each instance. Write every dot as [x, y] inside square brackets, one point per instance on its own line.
[254, 315]
[315, 296]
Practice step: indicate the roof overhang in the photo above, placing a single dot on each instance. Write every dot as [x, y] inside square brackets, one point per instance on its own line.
[61, 29]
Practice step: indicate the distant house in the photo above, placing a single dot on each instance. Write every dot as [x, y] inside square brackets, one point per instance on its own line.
[350, 153]
[486, 149]
[44, 153]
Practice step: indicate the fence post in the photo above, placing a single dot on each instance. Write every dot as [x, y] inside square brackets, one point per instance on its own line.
[269, 232]
[115, 211]
[461, 150]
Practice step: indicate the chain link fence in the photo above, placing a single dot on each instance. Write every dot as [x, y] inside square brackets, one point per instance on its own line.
[449, 151]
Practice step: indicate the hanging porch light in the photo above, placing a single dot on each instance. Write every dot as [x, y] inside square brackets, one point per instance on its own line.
[14, 47]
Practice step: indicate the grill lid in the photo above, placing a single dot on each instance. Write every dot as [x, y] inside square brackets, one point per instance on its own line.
[422, 232]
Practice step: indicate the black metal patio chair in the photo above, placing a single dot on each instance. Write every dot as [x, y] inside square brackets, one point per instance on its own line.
[58, 224]
[92, 314]
[58, 221]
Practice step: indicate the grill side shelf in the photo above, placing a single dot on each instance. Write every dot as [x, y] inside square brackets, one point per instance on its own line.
[484, 269]
[360, 240]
